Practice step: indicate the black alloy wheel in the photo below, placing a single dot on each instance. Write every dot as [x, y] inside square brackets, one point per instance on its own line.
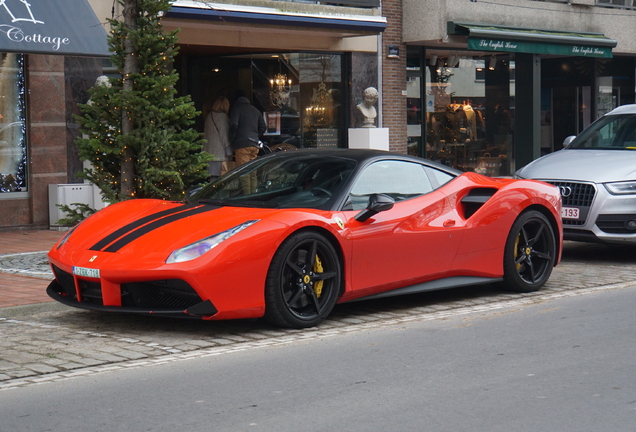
[303, 282]
[530, 253]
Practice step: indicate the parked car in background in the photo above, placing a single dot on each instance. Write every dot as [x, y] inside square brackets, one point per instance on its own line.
[596, 174]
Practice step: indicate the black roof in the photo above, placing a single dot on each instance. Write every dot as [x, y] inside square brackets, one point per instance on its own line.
[362, 155]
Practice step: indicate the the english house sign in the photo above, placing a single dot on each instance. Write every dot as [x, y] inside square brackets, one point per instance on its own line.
[538, 48]
[66, 27]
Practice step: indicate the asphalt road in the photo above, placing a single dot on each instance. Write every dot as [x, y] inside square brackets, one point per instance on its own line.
[562, 365]
[58, 343]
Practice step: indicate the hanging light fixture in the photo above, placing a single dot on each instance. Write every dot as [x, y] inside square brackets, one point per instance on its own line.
[279, 95]
[493, 63]
[432, 59]
[280, 88]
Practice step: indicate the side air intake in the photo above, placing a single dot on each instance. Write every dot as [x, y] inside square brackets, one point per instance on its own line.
[475, 199]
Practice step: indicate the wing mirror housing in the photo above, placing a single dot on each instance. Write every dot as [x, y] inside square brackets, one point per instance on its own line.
[568, 140]
[190, 192]
[377, 203]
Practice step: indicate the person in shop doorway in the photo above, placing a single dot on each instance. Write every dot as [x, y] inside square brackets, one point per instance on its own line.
[217, 134]
[246, 127]
[502, 124]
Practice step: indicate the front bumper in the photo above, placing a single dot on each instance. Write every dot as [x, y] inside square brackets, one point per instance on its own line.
[160, 297]
[605, 218]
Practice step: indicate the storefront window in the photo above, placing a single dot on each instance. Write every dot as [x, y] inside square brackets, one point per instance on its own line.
[470, 111]
[414, 114]
[301, 95]
[13, 153]
[575, 91]
[311, 107]
[414, 102]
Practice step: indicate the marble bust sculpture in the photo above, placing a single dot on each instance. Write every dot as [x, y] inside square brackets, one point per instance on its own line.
[367, 109]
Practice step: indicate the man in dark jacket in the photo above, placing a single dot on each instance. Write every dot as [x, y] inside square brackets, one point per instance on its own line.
[246, 126]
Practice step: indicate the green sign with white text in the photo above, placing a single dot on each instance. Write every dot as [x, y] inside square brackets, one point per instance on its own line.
[479, 44]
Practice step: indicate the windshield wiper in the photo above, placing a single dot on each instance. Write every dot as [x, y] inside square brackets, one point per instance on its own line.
[232, 203]
[213, 202]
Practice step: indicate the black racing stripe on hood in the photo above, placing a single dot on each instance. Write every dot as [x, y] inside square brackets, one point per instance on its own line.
[156, 224]
[136, 224]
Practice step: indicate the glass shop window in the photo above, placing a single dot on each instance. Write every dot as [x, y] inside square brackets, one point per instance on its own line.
[302, 98]
[301, 95]
[13, 152]
[470, 111]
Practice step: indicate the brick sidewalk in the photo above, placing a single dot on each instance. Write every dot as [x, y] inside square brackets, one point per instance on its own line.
[23, 290]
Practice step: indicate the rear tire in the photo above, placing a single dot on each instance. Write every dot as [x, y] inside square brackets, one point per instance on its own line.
[530, 253]
[303, 282]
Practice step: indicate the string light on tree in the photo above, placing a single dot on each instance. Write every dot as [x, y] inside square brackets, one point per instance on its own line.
[157, 122]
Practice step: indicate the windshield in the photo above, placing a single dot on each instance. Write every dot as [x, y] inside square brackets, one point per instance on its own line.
[612, 132]
[289, 181]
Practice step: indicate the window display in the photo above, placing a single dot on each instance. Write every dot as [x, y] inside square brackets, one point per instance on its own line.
[13, 156]
[469, 112]
[299, 94]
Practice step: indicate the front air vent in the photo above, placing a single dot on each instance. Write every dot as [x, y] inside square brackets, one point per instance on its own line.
[168, 294]
[475, 199]
[575, 194]
[66, 282]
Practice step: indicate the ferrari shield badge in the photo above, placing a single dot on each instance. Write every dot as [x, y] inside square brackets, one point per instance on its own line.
[340, 222]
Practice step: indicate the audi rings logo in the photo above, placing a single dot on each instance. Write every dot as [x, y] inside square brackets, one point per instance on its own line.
[566, 191]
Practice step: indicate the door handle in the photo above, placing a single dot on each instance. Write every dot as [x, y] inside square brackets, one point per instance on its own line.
[449, 223]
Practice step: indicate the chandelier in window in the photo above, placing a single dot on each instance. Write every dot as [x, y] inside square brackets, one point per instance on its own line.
[279, 94]
[319, 114]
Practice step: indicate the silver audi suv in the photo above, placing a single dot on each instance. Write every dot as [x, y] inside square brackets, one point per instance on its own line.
[596, 174]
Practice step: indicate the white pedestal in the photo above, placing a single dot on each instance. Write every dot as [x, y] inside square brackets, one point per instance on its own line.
[369, 138]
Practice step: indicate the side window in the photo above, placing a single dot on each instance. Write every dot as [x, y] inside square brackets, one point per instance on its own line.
[439, 178]
[399, 179]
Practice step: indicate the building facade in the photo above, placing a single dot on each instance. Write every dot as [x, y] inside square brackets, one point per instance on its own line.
[303, 64]
[492, 86]
[38, 41]
[480, 86]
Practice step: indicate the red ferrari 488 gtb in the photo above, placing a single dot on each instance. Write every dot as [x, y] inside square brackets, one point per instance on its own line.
[289, 235]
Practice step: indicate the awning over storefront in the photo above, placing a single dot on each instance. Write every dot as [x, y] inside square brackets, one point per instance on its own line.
[269, 16]
[525, 40]
[67, 27]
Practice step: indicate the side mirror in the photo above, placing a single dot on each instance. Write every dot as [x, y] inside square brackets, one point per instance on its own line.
[377, 203]
[190, 192]
[568, 140]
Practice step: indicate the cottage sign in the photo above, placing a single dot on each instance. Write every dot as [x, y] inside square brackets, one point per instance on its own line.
[16, 34]
[47, 27]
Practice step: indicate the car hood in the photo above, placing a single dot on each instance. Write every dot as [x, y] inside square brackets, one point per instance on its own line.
[145, 227]
[598, 166]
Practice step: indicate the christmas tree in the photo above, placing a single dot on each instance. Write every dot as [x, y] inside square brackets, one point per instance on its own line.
[137, 132]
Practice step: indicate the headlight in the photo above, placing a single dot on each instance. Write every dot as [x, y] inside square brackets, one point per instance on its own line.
[195, 250]
[621, 188]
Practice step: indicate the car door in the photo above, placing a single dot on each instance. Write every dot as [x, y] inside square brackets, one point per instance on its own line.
[414, 241]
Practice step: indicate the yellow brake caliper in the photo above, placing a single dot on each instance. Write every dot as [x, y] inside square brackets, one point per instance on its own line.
[318, 269]
[516, 255]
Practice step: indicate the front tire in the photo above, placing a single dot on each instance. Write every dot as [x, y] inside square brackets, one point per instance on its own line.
[303, 282]
[530, 253]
